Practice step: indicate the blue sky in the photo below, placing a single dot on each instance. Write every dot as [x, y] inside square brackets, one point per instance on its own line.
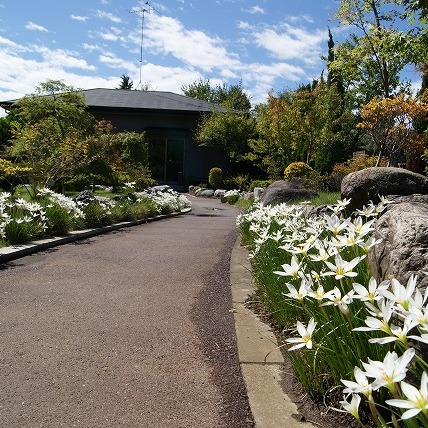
[268, 44]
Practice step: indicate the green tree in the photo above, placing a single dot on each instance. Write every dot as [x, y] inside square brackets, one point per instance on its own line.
[51, 136]
[370, 62]
[6, 127]
[125, 82]
[311, 125]
[201, 90]
[228, 131]
[229, 96]
[334, 77]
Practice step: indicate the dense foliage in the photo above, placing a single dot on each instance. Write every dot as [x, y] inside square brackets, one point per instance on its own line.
[52, 140]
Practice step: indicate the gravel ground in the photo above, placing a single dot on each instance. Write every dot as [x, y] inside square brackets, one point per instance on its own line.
[128, 329]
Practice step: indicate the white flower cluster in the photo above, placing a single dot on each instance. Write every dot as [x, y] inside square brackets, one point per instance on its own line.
[326, 255]
[19, 211]
[63, 201]
[167, 200]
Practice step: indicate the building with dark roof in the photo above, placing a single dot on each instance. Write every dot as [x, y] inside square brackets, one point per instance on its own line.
[169, 121]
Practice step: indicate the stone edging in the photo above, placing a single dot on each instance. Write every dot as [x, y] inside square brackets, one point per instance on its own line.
[260, 358]
[8, 254]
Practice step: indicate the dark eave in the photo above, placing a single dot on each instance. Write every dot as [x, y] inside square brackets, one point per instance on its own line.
[135, 100]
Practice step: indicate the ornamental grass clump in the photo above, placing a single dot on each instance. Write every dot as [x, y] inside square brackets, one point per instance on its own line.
[314, 271]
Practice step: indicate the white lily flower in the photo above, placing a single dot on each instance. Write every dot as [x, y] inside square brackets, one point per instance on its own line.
[353, 406]
[417, 400]
[400, 294]
[358, 227]
[372, 292]
[291, 269]
[318, 294]
[323, 252]
[306, 336]
[334, 224]
[391, 370]
[298, 294]
[335, 298]
[361, 384]
[385, 312]
[397, 333]
[342, 268]
[348, 240]
[367, 211]
[371, 242]
[301, 248]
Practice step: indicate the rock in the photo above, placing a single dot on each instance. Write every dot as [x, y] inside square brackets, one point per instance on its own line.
[258, 193]
[206, 193]
[403, 229]
[132, 197]
[423, 199]
[370, 183]
[161, 188]
[84, 197]
[286, 191]
[191, 189]
[219, 193]
[248, 196]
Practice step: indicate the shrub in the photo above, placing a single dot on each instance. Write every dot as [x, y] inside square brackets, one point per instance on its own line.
[334, 180]
[230, 183]
[259, 183]
[310, 178]
[215, 177]
[298, 169]
[242, 182]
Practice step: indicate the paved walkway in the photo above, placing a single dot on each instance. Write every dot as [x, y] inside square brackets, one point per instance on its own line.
[128, 329]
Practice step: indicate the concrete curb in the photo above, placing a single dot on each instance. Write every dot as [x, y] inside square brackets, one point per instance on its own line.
[259, 356]
[8, 254]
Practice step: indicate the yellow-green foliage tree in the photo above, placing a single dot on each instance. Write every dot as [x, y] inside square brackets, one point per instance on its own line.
[52, 137]
[12, 173]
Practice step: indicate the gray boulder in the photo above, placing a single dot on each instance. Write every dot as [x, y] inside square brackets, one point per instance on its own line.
[84, 197]
[286, 191]
[219, 193]
[403, 251]
[160, 188]
[366, 185]
[258, 193]
[206, 193]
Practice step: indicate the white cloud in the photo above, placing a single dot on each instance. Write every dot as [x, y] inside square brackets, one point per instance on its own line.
[194, 48]
[256, 9]
[34, 27]
[91, 48]
[62, 58]
[10, 44]
[112, 61]
[298, 19]
[108, 15]
[242, 25]
[292, 43]
[79, 18]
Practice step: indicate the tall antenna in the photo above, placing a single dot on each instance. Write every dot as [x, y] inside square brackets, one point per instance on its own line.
[143, 11]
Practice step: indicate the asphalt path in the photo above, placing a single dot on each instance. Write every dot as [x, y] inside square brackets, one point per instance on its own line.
[128, 329]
